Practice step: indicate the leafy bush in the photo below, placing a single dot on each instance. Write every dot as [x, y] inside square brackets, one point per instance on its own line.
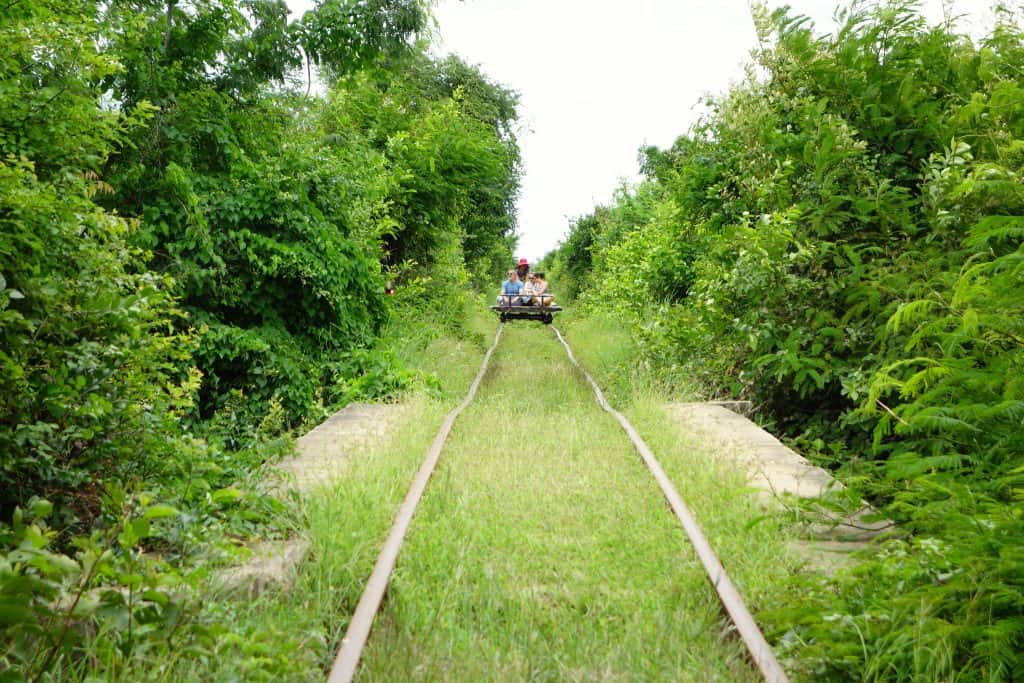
[107, 592]
[151, 365]
[840, 241]
[88, 357]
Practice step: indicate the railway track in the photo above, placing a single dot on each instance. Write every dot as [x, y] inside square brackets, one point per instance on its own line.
[352, 644]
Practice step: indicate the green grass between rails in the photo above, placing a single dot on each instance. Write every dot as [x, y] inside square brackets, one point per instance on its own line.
[754, 546]
[543, 549]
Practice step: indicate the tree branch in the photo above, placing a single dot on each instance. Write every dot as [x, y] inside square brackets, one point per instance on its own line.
[170, 24]
[889, 410]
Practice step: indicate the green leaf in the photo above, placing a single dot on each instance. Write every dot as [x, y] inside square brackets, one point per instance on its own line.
[41, 508]
[141, 527]
[228, 495]
[160, 510]
[15, 613]
[130, 580]
[159, 597]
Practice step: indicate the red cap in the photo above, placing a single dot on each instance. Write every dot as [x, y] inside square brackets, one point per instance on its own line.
[523, 262]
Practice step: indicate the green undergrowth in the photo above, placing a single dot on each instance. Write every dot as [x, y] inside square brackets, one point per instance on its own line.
[440, 340]
[543, 548]
[292, 634]
[135, 598]
[603, 341]
[844, 610]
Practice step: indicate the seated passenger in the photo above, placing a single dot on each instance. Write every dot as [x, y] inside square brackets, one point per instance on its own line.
[541, 296]
[510, 290]
[529, 289]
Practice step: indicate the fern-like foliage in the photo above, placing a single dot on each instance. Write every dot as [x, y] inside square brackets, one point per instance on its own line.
[846, 237]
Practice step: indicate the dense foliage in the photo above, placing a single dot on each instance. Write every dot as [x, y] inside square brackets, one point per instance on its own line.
[192, 261]
[841, 239]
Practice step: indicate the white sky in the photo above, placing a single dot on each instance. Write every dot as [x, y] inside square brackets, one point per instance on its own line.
[599, 79]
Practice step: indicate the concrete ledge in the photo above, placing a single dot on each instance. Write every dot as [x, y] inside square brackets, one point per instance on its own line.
[322, 456]
[273, 564]
[323, 453]
[741, 407]
[774, 469]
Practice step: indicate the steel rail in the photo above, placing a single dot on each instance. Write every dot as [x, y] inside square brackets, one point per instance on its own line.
[758, 647]
[362, 619]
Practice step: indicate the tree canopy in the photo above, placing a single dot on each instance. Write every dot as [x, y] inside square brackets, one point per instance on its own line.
[193, 252]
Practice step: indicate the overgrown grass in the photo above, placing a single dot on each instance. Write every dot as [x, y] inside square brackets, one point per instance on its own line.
[754, 545]
[606, 345]
[544, 550]
[447, 356]
[293, 635]
[712, 486]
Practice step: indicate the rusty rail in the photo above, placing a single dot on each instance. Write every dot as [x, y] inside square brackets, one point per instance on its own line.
[362, 619]
[347, 659]
[759, 649]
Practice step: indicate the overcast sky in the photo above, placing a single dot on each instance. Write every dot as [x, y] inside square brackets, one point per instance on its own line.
[598, 79]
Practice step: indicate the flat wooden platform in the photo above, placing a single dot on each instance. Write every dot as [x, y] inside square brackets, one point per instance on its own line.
[544, 314]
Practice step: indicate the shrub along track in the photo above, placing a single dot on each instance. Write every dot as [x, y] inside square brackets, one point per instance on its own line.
[543, 551]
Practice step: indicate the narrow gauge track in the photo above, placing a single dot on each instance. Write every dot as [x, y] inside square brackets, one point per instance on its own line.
[357, 634]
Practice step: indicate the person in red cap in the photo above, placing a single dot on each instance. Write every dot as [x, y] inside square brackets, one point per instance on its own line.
[523, 269]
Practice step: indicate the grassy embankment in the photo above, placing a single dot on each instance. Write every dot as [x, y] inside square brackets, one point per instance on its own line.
[293, 635]
[543, 548]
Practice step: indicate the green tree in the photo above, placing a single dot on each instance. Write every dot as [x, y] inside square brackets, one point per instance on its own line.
[87, 356]
[446, 133]
[235, 194]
